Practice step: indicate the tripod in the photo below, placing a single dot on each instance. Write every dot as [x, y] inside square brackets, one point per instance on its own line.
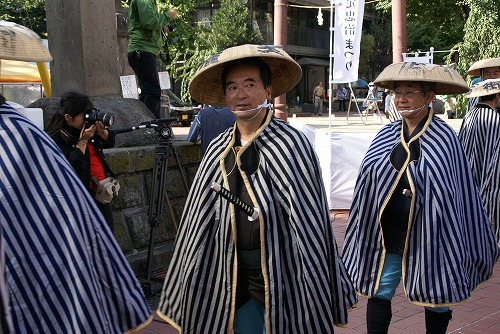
[158, 195]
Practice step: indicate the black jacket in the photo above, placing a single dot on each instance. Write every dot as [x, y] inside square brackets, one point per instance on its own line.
[79, 161]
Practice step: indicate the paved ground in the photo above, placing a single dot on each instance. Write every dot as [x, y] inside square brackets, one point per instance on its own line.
[480, 314]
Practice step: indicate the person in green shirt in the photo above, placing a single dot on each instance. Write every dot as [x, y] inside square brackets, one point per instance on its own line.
[145, 25]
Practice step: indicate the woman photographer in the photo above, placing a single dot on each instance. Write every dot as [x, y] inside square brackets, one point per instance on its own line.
[81, 141]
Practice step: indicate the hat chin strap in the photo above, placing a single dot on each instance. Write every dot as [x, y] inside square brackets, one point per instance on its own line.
[264, 104]
[406, 112]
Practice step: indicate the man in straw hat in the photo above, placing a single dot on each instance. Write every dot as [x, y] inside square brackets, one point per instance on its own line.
[65, 271]
[412, 218]
[486, 69]
[274, 272]
[480, 136]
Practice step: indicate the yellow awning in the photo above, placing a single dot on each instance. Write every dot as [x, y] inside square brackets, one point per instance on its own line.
[18, 71]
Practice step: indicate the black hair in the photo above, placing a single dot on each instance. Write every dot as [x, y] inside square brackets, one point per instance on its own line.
[428, 87]
[264, 70]
[71, 103]
[2, 99]
[485, 98]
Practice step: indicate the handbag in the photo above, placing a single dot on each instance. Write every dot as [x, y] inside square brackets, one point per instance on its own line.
[107, 189]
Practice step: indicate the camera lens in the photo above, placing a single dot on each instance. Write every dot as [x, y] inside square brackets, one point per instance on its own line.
[106, 118]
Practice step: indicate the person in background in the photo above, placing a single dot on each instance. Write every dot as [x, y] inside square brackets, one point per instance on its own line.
[389, 106]
[342, 95]
[145, 28]
[208, 124]
[450, 107]
[231, 271]
[486, 69]
[319, 95]
[416, 213]
[83, 145]
[369, 103]
[480, 136]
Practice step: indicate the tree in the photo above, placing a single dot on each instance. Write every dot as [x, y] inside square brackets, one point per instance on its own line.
[230, 26]
[29, 13]
[438, 24]
[480, 40]
[482, 32]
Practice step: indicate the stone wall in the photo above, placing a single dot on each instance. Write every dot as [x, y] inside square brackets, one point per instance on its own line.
[133, 167]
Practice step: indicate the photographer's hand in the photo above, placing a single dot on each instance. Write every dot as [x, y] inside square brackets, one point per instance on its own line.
[85, 136]
[101, 130]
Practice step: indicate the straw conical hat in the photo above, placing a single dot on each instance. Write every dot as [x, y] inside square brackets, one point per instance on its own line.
[486, 87]
[447, 80]
[206, 85]
[475, 69]
[21, 43]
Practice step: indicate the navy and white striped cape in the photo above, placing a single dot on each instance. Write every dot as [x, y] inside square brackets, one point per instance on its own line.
[5, 318]
[307, 288]
[471, 105]
[480, 135]
[490, 191]
[450, 246]
[65, 271]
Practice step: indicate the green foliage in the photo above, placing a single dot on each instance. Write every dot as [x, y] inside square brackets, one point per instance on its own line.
[482, 32]
[230, 26]
[367, 46]
[29, 13]
[437, 24]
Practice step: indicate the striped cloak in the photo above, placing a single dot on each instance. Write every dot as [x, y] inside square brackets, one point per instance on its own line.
[480, 136]
[490, 191]
[5, 318]
[65, 270]
[307, 288]
[450, 247]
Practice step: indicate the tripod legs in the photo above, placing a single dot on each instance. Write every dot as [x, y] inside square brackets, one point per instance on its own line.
[157, 199]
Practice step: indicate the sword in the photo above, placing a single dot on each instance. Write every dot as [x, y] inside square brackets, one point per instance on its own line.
[252, 213]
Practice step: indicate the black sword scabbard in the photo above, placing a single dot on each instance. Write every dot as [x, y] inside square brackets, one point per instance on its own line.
[252, 213]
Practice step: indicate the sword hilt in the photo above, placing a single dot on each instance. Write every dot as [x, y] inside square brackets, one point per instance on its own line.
[252, 213]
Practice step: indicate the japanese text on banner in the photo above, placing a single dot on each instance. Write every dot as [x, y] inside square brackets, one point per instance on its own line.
[347, 39]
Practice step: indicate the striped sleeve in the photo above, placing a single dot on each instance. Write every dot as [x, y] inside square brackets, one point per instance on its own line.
[66, 272]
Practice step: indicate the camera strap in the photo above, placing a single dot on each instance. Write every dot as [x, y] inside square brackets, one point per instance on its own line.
[67, 137]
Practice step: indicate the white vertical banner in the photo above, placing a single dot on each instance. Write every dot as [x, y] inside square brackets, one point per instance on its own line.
[347, 39]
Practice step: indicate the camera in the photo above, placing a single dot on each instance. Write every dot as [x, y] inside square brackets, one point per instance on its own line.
[95, 115]
[170, 27]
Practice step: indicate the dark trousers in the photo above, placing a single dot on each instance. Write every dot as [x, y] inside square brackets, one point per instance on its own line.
[145, 67]
[341, 105]
[106, 210]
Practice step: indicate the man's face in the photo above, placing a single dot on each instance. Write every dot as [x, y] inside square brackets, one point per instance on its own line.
[245, 90]
[409, 96]
[491, 73]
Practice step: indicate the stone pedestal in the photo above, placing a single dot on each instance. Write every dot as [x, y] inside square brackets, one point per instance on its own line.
[83, 43]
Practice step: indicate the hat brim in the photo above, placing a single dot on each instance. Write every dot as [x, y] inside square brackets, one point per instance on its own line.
[446, 80]
[21, 43]
[476, 68]
[483, 88]
[206, 85]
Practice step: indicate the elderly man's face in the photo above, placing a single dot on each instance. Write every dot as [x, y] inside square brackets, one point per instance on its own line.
[410, 100]
[245, 90]
[491, 73]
